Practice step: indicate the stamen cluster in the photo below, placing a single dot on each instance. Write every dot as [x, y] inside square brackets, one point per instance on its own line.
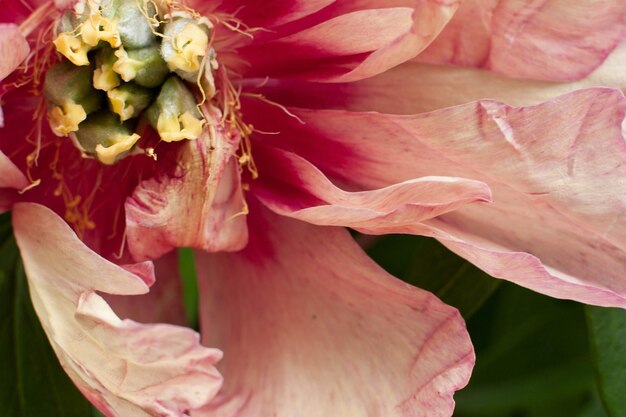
[124, 62]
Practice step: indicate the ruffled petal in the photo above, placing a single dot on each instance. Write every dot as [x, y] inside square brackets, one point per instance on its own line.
[312, 327]
[414, 88]
[199, 206]
[337, 44]
[291, 186]
[123, 367]
[556, 172]
[560, 40]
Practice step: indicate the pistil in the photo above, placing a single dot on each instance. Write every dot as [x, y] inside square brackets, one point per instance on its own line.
[118, 52]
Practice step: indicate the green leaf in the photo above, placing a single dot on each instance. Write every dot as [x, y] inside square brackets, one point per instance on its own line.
[429, 265]
[607, 332]
[532, 359]
[33, 384]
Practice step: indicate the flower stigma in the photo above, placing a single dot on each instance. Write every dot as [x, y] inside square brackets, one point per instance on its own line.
[118, 79]
[124, 64]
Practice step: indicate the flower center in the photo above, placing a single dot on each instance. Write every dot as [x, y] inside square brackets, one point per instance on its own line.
[127, 64]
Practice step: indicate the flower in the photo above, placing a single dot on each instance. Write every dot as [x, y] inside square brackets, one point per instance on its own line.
[307, 324]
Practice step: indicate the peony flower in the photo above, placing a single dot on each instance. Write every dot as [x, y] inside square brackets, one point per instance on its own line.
[255, 131]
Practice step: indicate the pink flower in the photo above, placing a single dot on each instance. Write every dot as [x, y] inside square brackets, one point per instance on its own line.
[307, 324]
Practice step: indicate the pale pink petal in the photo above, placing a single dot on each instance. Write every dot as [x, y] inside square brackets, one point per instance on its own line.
[199, 206]
[414, 88]
[556, 171]
[312, 327]
[291, 186]
[341, 45]
[125, 368]
[164, 302]
[13, 49]
[11, 178]
[548, 39]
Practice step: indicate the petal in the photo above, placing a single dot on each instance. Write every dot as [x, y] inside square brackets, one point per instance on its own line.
[123, 367]
[558, 40]
[268, 13]
[291, 186]
[556, 172]
[339, 46]
[164, 302]
[312, 327]
[414, 88]
[10, 177]
[13, 49]
[199, 206]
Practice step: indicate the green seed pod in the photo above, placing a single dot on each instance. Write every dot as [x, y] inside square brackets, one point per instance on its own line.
[185, 43]
[104, 137]
[104, 78]
[129, 100]
[68, 23]
[153, 69]
[133, 22]
[174, 114]
[71, 97]
[65, 82]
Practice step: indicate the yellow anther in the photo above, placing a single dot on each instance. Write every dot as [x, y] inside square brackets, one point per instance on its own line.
[65, 119]
[73, 48]
[173, 129]
[122, 144]
[98, 28]
[105, 79]
[126, 67]
[190, 45]
[119, 106]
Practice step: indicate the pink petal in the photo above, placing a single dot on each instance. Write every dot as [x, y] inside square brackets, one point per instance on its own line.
[556, 171]
[125, 368]
[340, 46]
[266, 14]
[312, 327]
[199, 206]
[10, 177]
[13, 49]
[164, 302]
[414, 88]
[559, 40]
[291, 186]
